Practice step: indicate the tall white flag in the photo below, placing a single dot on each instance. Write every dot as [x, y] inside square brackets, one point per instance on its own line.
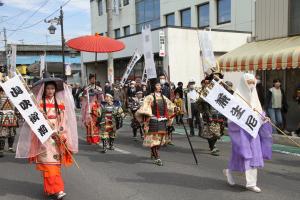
[208, 57]
[13, 59]
[136, 56]
[148, 52]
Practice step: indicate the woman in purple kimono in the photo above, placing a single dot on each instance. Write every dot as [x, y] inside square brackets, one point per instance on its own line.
[248, 153]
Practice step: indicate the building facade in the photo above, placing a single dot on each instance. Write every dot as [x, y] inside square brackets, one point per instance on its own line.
[29, 60]
[233, 15]
[274, 51]
[180, 20]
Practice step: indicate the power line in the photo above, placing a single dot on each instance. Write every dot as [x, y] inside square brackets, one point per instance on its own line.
[17, 15]
[42, 20]
[26, 20]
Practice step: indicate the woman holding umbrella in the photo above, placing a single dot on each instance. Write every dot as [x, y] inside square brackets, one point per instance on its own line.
[56, 103]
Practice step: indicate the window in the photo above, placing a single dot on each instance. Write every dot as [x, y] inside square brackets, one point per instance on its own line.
[223, 11]
[126, 30]
[125, 2]
[294, 17]
[100, 7]
[170, 19]
[117, 33]
[147, 12]
[185, 18]
[203, 15]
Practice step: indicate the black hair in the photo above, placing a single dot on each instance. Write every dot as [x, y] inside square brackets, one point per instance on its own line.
[44, 97]
[92, 76]
[180, 83]
[276, 80]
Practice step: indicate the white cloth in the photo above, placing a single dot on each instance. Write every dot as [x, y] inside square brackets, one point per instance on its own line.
[192, 97]
[251, 177]
[243, 90]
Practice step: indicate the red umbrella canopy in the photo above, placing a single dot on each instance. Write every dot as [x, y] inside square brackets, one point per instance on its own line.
[95, 43]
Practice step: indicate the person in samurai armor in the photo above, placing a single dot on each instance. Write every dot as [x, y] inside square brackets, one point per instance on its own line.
[154, 114]
[110, 116]
[91, 99]
[134, 104]
[55, 101]
[8, 123]
[213, 122]
[248, 153]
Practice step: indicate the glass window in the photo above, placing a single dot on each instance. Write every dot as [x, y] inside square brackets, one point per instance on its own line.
[186, 18]
[117, 33]
[294, 17]
[203, 15]
[126, 30]
[170, 19]
[100, 7]
[224, 11]
[125, 2]
[147, 12]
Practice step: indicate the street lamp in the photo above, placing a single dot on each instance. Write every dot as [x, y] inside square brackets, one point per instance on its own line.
[52, 29]
[59, 21]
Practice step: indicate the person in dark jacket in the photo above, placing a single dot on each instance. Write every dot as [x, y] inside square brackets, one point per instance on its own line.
[179, 90]
[76, 91]
[165, 87]
[276, 104]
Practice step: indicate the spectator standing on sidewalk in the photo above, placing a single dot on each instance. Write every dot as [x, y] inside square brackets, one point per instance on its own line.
[276, 104]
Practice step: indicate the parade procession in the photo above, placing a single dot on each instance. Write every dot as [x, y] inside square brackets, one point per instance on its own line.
[149, 99]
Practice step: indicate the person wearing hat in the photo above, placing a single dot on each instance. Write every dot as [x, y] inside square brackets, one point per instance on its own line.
[192, 111]
[55, 103]
[134, 104]
[132, 89]
[91, 98]
[155, 115]
[108, 121]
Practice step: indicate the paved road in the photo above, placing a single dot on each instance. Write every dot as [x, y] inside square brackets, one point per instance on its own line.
[128, 174]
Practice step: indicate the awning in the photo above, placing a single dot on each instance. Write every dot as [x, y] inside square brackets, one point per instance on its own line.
[282, 53]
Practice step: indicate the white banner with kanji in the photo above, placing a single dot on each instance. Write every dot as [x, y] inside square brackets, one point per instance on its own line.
[19, 96]
[148, 52]
[233, 108]
[136, 56]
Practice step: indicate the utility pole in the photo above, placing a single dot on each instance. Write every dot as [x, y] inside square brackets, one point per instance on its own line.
[5, 46]
[61, 21]
[110, 59]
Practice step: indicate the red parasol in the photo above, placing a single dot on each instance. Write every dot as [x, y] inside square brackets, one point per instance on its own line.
[95, 43]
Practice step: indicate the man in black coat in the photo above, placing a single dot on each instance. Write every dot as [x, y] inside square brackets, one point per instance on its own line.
[179, 90]
[76, 92]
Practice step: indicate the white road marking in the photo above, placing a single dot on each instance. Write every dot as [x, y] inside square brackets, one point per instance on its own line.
[122, 151]
[116, 149]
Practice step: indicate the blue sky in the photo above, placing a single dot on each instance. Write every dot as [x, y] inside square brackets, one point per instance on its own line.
[19, 14]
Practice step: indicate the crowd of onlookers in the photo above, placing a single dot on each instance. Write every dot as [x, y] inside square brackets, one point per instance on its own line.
[274, 100]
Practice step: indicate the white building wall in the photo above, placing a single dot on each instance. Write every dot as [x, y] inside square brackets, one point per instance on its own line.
[242, 15]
